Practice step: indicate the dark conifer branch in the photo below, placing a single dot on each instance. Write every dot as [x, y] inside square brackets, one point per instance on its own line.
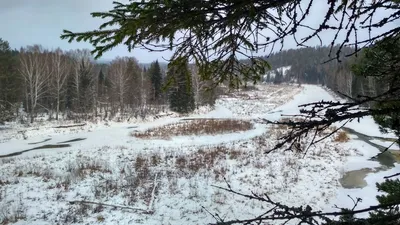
[229, 31]
[303, 214]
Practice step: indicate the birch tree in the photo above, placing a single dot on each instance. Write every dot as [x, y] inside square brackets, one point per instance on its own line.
[35, 71]
[196, 84]
[119, 79]
[61, 69]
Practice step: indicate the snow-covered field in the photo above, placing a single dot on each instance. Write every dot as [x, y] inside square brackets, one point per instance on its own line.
[171, 181]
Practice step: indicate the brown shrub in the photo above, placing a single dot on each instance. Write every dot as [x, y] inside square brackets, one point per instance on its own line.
[12, 213]
[3, 183]
[206, 158]
[140, 163]
[155, 160]
[220, 173]
[87, 166]
[234, 154]
[209, 157]
[180, 162]
[342, 136]
[142, 168]
[196, 127]
[64, 184]
[100, 218]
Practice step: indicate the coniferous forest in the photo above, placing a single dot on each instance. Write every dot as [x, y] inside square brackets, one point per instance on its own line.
[314, 66]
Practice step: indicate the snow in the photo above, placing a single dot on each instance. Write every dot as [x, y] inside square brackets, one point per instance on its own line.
[282, 70]
[386, 144]
[309, 93]
[219, 112]
[368, 127]
[368, 193]
[105, 166]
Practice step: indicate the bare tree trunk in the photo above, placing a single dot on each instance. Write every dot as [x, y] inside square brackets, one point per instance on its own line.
[120, 78]
[196, 83]
[35, 71]
[61, 68]
[142, 93]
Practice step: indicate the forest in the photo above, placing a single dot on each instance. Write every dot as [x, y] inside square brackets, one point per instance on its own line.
[313, 65]
[52, 84]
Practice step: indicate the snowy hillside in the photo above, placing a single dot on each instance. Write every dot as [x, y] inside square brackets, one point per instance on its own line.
[271, 74]
[164, 171]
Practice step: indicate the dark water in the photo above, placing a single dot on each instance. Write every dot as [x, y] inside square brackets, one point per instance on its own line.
[386, 158]
[34, 143]
[356, 178]
[72, 140]
[36, 148]
[58, 145]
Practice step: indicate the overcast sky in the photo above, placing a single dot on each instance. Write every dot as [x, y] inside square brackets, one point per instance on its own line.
[27, 22]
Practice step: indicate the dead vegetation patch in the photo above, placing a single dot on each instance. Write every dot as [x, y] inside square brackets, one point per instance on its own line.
[87, 166]
[12, 213]
[196, 127]
[207, 159]
[342, 136]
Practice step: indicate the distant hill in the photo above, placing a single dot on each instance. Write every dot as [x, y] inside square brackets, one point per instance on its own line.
[308, 65]
[271, 75]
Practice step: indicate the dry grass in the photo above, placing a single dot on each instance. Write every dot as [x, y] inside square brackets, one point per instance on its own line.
[12, 213]
[87, 166]
[196, 127]
[100, 218]
[207, 159]
[342, 136]
[4, 182]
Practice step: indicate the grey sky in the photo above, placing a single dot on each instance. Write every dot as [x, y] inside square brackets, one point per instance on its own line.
[27, 22]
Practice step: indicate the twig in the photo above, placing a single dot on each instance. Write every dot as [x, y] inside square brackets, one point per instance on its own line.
[286, 214]
[110, 205]
[385, 150]
[72, 125]
[152, 193]
[394, 175]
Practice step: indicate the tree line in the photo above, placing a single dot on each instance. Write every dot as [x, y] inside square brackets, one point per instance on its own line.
[312, 65]
[35, 81]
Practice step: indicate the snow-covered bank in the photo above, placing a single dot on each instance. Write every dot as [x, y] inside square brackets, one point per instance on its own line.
[359, 153]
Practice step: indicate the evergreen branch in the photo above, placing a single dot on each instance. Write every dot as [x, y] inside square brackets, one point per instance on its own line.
[282, 212]
[226, 29]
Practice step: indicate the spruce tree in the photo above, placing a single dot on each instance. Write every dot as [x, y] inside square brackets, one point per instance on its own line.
[379, 65]
[391, 188]
[10, 83]
[156, 79]
[278, 77]
[379, 62]
[181, 97]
